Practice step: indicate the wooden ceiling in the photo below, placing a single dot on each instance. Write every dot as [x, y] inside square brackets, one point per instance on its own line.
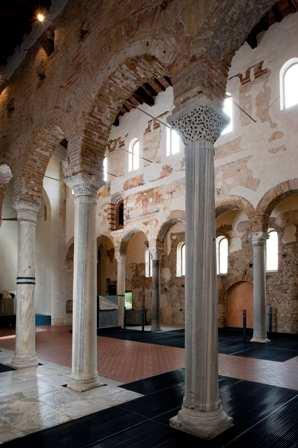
[280, 10]
[16, 20]
[145, 94]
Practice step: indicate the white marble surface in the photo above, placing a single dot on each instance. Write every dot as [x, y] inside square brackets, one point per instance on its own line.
[202, 415]
[259, 288]
[34, 399]
[84, 336]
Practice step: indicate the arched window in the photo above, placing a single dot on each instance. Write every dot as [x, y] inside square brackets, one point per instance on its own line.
[120, 214]
[289, 84]
[134, 155]
[105, 169]
[272, 251]
[148, 263]
[228, 110]
[180, 260]
[173, 142]
[222, 255]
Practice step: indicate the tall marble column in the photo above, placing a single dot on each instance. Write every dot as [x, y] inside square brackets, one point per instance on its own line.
[121, 270]
[155, 300]
[58, 216]
[259, 288]
[200, 123]
[84, 331]
[25, 349]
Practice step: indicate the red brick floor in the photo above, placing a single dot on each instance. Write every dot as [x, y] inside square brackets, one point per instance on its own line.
[128, 361]
[119, 360]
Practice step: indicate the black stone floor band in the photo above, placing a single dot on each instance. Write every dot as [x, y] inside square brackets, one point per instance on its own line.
[265, 416]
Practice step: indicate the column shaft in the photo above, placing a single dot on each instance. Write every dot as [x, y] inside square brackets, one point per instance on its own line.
[84, 332]
[259, 288]
[155, 300]
[202, 413]
[121, 268]
[25, 350]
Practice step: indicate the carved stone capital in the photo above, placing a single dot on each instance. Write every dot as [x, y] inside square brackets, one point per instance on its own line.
[259, 238]
[5, 174]
[199, 120]
[27, 211]
[84, 184]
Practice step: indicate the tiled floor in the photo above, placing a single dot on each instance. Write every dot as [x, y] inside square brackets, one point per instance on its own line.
[34, 399]
[128, 361]
[264, 416]
[123, 361]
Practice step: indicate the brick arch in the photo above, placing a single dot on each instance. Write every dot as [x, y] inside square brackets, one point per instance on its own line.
[271, 199]
[195, 57]
[31, 169]
[119, 86]
[228, 24]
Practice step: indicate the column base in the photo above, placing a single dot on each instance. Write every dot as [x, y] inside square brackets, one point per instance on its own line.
[260, 339]
[205, 425]
[23, 362]
[84, 385]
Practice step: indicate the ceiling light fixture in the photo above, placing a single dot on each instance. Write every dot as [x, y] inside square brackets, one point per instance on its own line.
[40, 16]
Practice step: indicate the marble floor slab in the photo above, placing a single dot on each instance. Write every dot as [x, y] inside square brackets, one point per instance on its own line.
[34, 399]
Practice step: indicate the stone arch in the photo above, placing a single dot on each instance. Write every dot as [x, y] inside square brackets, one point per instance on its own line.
[174, 217]
[29, 177]
[271, 199]
[103, 237]
[129, 235]
[131, 73]
[235, 203]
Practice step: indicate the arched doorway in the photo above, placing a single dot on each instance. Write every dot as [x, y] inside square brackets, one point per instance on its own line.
[171, 240]
[138, 278]
[239, 298]
[279, 209]
[106, 267]
[233, 226]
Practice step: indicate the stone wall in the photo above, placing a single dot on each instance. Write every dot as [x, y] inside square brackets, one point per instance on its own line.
[82, 92]
[247, 166]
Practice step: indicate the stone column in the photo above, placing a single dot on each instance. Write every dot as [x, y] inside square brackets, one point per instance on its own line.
[84, 331]
[25, 350]
[5, 177]
[58, 216]
[155, 298]
[202, 414]
[259, 288]
[121, 271]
